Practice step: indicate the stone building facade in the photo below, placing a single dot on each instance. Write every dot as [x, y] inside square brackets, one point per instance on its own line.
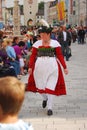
[16, 18]
[53, 15]
[0, 10]
[79, 12]
[76, 12]
[30, 10]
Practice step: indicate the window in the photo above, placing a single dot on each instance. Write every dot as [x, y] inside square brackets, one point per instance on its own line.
[74, 12]
[21, 10]
[11, 11]
[74, 3]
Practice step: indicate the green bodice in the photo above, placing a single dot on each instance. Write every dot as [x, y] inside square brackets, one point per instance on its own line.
[46, 52]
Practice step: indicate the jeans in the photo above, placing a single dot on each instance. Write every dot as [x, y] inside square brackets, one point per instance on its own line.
[65, 49]
[16, 66]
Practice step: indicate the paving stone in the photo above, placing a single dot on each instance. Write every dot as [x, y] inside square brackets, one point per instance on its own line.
[70, 111]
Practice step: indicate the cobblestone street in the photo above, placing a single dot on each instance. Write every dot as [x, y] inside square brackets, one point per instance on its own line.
[70, 111]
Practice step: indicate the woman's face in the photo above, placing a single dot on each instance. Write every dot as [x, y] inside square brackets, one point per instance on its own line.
[45, 36]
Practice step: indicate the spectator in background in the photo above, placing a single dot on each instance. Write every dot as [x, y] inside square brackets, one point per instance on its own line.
[28, 42]
[12, 56]
[1, 37]
[30, 31]
[81, 35]
[5, 67]
[64, 39]
[54, 33]
[38, 37]
[74, 35]
[19, 49]
[15, 41]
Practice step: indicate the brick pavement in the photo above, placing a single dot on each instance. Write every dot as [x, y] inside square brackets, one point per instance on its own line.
[70, 111]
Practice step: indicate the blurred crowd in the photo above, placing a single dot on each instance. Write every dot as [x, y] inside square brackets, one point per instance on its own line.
[16, 50]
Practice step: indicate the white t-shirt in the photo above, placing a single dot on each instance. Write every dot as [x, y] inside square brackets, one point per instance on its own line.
[20, 125]
[64, 34]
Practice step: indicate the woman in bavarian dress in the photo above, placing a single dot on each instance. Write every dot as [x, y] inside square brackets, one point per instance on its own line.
[45, 73]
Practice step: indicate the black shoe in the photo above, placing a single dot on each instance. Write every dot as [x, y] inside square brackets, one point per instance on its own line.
[67, 59]
[44, 104]
[49, 112]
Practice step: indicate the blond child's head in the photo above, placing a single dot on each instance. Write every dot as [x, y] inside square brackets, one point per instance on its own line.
[8, 42]
[11, 95]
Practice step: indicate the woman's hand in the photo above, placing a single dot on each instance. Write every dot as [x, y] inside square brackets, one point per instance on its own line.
[30, 70]
[66, 71]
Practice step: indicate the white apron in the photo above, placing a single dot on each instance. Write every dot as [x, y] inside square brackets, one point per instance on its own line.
[46, 73]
